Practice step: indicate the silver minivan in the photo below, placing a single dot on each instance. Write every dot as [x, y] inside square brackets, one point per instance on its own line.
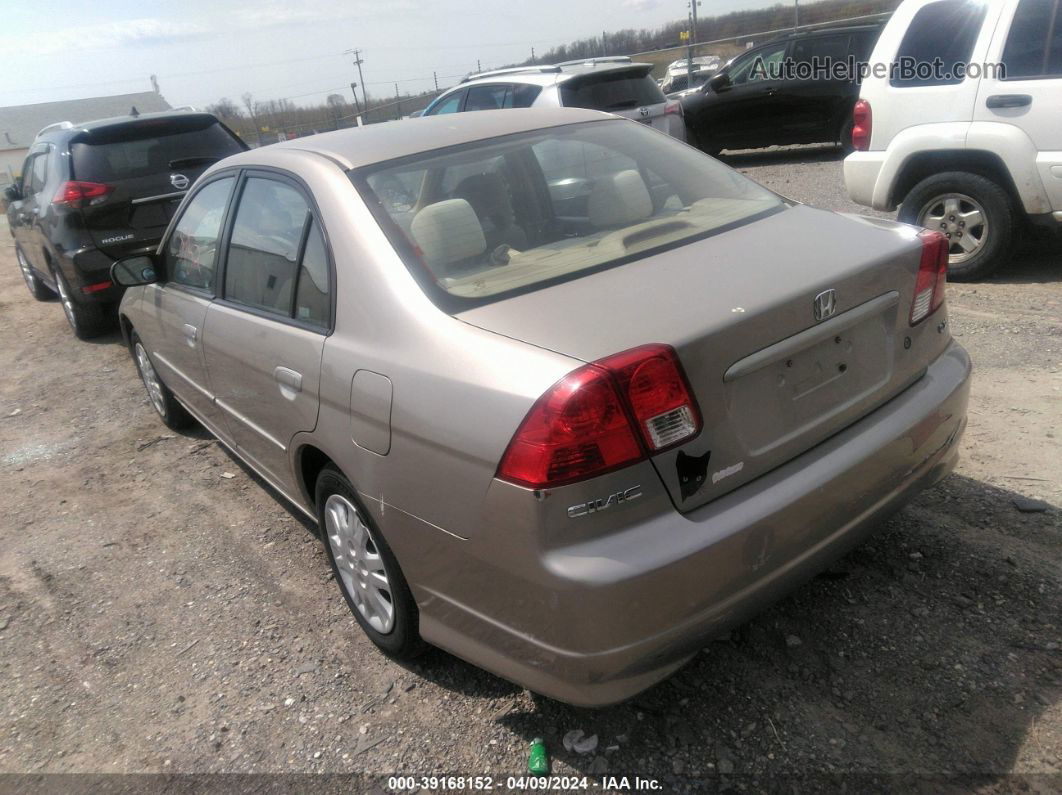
[567, 440]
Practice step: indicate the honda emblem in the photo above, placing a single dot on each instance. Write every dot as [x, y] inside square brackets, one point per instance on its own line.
[825, 304]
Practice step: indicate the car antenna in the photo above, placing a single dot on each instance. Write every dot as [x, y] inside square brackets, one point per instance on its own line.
[134, 112]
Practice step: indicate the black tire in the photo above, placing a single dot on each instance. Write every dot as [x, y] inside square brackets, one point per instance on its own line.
[926, 198]
[87, 320]
[401, 641]
[37, 288]
[846, 138]
[700, 142]
[173, 415]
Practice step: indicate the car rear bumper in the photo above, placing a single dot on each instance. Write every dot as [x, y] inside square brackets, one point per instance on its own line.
[616, 614]
[861, 172]
[89, 274]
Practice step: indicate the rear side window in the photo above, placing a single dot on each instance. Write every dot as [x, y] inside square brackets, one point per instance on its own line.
[942, 33]
[832, 48]
[149, 150]
[312, 294]
[611, 91]
[266, 235]
[489, 98]
[1034, 43]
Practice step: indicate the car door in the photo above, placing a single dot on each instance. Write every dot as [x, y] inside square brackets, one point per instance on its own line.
[265, 334]
[175, 308]
[744, 111]
[812, 102]
[1029, 94]
[27, 211]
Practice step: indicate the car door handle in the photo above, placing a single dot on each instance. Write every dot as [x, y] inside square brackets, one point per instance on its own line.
[1008, 101]
[191, 332]
[288, 378]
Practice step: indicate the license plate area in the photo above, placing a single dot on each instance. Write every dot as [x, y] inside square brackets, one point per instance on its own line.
[804, 385]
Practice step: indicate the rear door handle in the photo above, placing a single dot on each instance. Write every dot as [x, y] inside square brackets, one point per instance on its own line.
[289, 378]
[192, 333]
[1008, 101]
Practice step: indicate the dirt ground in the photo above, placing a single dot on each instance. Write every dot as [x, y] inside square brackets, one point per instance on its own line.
[162, 612]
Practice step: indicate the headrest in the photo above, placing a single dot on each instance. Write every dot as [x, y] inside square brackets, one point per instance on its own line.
[448, 232]
[619, 199]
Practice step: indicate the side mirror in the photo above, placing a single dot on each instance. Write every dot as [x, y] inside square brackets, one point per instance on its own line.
[720, 81]
[12, 193]
[134, 271]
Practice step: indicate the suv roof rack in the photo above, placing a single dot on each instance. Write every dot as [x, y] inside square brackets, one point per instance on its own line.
[187, 107]
[602, 59]
[512, 70]
[59, 125]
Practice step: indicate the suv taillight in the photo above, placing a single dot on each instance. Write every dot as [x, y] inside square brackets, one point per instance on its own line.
[75, 194]
[673, 106]
[862, 121]
[603, 416]
[932, 275]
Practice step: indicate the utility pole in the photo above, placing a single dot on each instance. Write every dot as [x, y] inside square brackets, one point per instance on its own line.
[358, 62]
[796, 14]
[532, 53]
[478, 67]
[398, 103]
[692, 42]
[354, 91]
[604, 44]
[435, 77]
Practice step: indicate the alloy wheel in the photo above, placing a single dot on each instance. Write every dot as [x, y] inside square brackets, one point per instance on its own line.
[64, 298]
[27, 273]
[962, 220]
[360, 565]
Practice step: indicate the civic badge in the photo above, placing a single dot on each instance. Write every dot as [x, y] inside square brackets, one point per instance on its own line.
[825, 304]
[179, 181]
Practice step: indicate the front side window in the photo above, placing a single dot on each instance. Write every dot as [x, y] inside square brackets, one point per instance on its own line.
[473, 224]
[941, 35]
[268, 229]
[451, 104]
[759, 66]
[191, 253]
[1034, 42]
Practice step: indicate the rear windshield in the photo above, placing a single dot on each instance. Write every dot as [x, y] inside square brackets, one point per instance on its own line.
[508, 215]
[611, 91]
[152, 150]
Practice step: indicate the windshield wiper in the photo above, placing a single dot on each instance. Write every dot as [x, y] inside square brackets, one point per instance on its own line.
[185, 162]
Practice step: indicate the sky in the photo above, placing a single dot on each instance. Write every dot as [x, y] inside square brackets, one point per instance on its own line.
[202, 50]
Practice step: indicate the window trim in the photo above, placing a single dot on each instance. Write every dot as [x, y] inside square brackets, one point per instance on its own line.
[313, 215]
[160, 252]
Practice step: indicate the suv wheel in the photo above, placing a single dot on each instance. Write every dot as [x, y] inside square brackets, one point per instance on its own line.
[37, 288]
[975, 213]
[366, 569]
[170, 411]
[87, 320]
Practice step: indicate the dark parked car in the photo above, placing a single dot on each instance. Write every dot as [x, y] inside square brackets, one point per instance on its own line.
[783, 92]
[91, 193]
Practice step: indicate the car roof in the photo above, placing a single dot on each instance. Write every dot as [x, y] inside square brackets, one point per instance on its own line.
[376, 143]
[64, 132]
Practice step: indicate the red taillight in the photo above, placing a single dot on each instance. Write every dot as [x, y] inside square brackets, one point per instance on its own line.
[932, 275]
[673, 107]
[75, 194]
[601, 417]
[97, 287]
[862, 121]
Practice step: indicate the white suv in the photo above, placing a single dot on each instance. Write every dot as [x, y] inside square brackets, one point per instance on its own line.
[975, 155]
[613, 84]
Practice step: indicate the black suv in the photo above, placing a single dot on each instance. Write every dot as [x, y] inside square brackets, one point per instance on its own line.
[774, 94]
[91, 193]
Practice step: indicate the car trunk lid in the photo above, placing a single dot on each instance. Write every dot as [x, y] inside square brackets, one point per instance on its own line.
[148, 166]
[740, 309]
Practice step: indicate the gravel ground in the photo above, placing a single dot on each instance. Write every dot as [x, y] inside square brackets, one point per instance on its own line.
[162, 612]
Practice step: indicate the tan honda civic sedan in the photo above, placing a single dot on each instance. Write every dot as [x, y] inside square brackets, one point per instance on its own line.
[565, 396]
